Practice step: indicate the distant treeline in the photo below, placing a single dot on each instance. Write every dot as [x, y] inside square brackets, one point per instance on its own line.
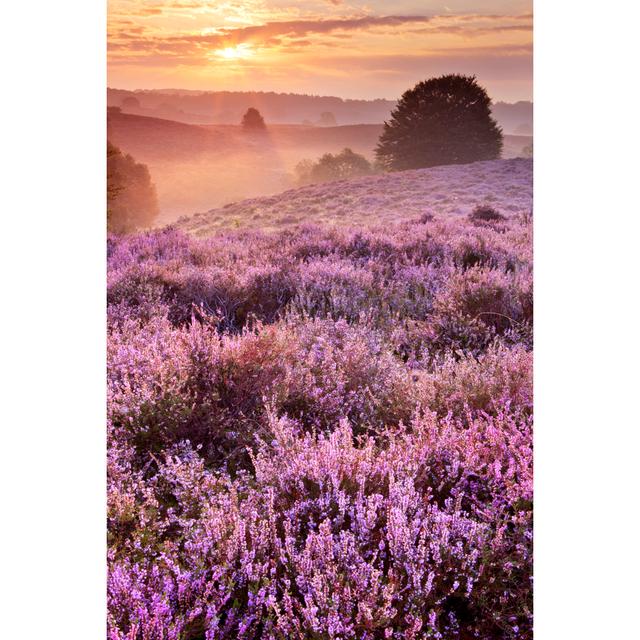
[227, 107]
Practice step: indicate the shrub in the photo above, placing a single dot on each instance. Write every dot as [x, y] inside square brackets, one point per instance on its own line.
[329, 167]
[479, 305]
[485, 213]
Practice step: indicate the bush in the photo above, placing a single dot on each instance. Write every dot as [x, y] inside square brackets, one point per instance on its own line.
[480, 304]
[445, 120]
[485, 213]
[329, 167]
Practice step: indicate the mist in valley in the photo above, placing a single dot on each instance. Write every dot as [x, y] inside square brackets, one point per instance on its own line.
[196, 168]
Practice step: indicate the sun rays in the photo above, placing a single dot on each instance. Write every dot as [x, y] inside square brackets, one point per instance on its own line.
[237, 52]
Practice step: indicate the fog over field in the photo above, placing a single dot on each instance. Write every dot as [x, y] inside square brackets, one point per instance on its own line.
[199, 167]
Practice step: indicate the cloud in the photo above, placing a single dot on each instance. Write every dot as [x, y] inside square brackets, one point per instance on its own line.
[469, 17]
[301, 28]
[328, 50]
[283, 32]
[266, 34]
[147, 11]
[471, 32]
[185, 4]
[472, 25]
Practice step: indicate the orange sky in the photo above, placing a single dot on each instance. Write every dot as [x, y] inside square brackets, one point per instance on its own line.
[374, 49]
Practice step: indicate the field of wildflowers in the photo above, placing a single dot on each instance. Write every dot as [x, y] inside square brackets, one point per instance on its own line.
[322, 432]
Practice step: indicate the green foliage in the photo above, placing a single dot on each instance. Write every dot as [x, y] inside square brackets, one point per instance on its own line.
[445, 120]
[132, 202]
[342, 166]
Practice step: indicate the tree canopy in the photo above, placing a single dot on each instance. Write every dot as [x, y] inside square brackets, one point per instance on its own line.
[344, 165]
[132, 202]
[253, 120]
[444, 120]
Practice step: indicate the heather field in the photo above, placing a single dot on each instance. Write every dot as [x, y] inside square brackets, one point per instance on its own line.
[387, 198]
[325, 431]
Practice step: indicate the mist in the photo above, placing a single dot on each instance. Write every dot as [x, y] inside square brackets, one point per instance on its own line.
[196, 168]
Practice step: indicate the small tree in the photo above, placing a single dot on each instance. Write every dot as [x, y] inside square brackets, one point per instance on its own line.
[327, 119]
[445, 120]
[342, 166]
[130, 102]
[253, 120]
[114, 186]
[132, 202]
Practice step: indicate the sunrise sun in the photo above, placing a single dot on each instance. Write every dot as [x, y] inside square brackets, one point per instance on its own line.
[238, 52]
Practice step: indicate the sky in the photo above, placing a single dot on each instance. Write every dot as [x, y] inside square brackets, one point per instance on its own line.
[351, 49]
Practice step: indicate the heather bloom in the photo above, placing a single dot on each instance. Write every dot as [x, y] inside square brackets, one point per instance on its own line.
[321, 432]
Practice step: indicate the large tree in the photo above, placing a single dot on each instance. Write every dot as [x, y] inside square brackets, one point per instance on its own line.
[445, 120]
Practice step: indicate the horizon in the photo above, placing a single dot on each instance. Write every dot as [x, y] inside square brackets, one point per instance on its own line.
[177, 90]
[341, 48]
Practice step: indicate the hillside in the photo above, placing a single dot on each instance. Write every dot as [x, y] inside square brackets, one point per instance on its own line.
[199, 167]
[196, 167]
[150, 138]
[369, 387]
[442, 191]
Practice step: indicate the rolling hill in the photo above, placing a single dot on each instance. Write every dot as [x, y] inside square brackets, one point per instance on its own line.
[445, 191]
[227, 107]
[196, 167]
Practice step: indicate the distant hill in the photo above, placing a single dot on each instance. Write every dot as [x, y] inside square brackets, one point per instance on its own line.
[202, 166]
[514, 118]
[227, 107]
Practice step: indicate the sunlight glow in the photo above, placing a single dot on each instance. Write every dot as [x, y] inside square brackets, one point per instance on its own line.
[239, 52]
